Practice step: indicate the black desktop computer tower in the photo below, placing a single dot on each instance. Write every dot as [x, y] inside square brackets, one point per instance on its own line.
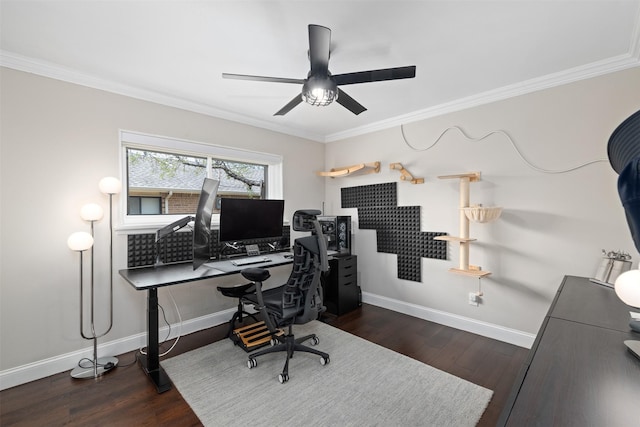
[337, 230]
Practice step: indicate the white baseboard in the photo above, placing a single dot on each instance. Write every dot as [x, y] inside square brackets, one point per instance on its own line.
[65, 362]
[497, 332]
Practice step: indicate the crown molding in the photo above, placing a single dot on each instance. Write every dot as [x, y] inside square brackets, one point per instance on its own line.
[618, 63]
[54, 71]
[588, 71]
[610, 65]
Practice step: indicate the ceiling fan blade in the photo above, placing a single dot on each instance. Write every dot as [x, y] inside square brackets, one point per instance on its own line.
[376, 75]
[284, 110]
[261, 78]
[319, 45]
[349, 103]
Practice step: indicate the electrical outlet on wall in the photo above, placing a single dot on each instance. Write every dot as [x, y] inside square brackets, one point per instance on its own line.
[474, 299]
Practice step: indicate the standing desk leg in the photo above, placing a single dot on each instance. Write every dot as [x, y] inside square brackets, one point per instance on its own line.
[151, 363]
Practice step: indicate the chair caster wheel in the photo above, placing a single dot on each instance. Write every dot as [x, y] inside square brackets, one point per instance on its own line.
[283, 378]
[315, 341]
[324, 360]
[252, 363]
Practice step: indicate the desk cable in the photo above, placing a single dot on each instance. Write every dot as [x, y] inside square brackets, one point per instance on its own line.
[175, 305]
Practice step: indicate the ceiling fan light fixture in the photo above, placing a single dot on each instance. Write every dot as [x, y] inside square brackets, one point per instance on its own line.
[320, 92]
[319, 97]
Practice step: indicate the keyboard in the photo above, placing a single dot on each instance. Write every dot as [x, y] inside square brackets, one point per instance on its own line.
[250, 260]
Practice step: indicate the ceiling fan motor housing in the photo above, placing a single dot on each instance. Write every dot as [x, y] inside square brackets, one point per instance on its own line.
[320, 90]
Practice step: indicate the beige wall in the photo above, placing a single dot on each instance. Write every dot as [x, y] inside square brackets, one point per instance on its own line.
[552, 225]
[58, 140]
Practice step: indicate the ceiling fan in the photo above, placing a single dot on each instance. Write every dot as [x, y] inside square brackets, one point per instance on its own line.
[320, 87]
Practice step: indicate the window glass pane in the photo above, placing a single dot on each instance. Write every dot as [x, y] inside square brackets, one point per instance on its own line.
[164, 182]
[244, 180]
[170, 183]
[150, 205]
[133, 205]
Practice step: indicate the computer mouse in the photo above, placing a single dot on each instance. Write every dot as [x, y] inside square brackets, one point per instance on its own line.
[635, 325]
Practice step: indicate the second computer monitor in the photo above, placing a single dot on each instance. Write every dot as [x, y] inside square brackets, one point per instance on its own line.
[247, 219]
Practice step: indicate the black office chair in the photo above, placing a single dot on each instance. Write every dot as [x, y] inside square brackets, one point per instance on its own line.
[299, 300]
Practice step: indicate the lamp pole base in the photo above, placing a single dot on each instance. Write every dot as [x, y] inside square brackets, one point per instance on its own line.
[103, 365]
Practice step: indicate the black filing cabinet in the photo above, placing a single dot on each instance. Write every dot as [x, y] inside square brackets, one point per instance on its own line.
[340, 285]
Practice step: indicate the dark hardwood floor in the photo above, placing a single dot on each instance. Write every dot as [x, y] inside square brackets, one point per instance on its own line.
[125, 397]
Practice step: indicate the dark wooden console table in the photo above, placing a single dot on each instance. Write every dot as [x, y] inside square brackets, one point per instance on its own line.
[579, 372]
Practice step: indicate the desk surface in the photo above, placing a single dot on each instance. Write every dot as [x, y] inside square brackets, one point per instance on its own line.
[579, 372]
[142, 278]
[580, 300]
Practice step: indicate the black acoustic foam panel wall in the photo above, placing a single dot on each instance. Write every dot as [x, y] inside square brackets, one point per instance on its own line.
[397, 227]
[178, 247]
[369, 195]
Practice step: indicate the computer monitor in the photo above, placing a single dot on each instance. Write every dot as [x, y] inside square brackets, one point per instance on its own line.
[202, 225]
[246, 219]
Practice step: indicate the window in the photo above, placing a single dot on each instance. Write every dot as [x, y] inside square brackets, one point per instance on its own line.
[138, 205]
[162, 176]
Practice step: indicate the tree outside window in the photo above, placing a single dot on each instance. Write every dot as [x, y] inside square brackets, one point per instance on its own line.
[176, 179]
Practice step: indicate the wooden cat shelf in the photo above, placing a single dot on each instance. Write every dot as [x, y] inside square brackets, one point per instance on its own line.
[405, 174]
[360, 168]
[475, 213]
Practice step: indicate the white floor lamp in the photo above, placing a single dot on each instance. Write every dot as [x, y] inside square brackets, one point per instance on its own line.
[81, 242]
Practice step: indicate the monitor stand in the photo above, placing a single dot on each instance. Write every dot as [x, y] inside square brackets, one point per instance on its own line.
[252, 250]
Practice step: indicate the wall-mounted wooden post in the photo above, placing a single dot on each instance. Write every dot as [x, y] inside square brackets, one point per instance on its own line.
[463, 239]
[464, 223]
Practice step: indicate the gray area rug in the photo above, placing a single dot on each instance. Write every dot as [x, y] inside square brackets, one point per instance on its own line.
[363, 385]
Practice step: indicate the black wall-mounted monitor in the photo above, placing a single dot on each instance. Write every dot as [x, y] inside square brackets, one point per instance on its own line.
[202, 225]
[246, 219]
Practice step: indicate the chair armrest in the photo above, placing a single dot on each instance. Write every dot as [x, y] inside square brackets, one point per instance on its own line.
[256, 274]
[237, 291]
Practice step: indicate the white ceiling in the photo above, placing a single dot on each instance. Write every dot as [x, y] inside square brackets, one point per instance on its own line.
[174, 52]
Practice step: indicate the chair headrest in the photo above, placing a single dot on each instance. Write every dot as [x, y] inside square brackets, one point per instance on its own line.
[303, 219]
[629, 192]
[624, 143]
[624, 155]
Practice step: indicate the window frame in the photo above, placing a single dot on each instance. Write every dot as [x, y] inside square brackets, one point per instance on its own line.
[142, 141]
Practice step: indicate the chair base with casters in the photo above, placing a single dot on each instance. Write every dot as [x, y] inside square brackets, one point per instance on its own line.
[283, 343]
[299, 300]
[238, 291]
[290, 344]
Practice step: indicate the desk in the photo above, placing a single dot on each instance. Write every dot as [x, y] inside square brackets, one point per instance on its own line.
[579, 372]
[151, 278]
